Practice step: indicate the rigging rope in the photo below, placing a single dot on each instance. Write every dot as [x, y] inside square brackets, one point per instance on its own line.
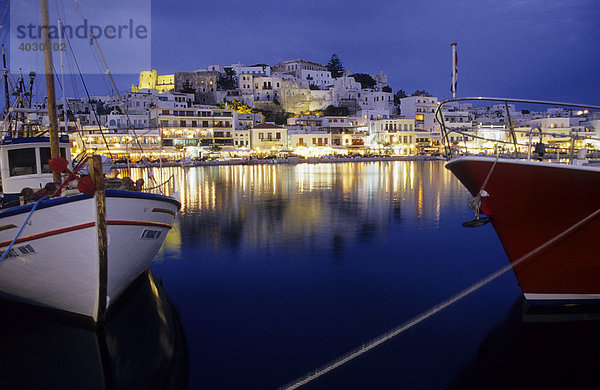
[88, 96]
[161, 184]
[35, 205]
[435, 309]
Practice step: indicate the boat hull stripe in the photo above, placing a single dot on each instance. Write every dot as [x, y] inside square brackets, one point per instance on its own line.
[166, 211]
[84, 226]
[140, 223]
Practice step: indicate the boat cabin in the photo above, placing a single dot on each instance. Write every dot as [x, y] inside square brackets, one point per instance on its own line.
[24, 162]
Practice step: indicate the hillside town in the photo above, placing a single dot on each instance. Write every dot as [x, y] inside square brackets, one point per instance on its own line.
[302, 109]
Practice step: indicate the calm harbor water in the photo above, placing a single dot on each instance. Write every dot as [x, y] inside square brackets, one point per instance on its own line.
[277, 269]
[274, 270]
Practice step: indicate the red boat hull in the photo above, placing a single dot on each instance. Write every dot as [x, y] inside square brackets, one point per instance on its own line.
[533, 202]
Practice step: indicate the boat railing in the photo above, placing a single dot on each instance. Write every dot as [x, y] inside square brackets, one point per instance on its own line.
[452, 147]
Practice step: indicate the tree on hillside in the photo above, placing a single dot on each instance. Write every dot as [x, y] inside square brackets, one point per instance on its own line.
[421, 92]
[275, 114]
[227, 80]
[366, 80]
[335, 66]
[332, 110]
[399, 95]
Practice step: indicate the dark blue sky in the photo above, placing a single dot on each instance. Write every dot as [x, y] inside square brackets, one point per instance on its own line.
[538, 48]
[527, 49]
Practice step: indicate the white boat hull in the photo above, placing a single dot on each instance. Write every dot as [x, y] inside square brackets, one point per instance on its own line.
[55, 261]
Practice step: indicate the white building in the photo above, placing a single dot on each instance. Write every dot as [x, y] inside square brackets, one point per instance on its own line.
[296, 66]
[268, 137]
[369, 99]
[242, 138]
[421, 109]
[317, 78]
[141, 101]
[398, 134]
[309, 137]
[256, 70]
[266, 88]
[373, 115]
[118, 122]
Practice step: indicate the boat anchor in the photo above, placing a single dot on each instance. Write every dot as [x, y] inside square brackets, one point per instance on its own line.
[475, 204]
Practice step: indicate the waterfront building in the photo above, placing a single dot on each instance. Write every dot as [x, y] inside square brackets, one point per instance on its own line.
[307, 120]
[309, 141]
[592, 129]
[122, 143]
[427, 142]
[558, 125]
[558, 130]
[347, 132]
[184, 124]
[487, 138]
[458, 119]
[241, 138]
[397, 135]
[268, 138]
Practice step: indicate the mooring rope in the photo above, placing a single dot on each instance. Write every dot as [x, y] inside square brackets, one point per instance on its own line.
[487, 178]
[435, 309]
[475, 203]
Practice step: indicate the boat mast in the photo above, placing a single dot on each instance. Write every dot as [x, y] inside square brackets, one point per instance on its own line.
[5, 71]
[62, 78]
[54, 150]
[31, 79]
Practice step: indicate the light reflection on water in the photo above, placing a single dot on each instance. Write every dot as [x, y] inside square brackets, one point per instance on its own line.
[253, 206]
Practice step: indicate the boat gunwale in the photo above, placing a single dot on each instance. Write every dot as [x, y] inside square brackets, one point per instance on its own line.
[75, 198]
[546, 164]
